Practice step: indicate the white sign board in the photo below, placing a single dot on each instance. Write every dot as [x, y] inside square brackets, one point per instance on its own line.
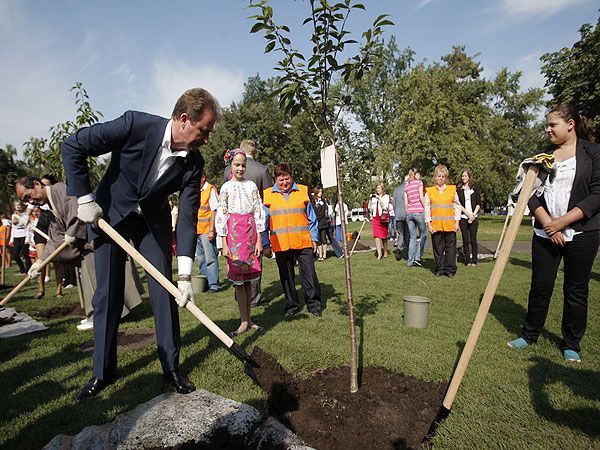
[328, 172]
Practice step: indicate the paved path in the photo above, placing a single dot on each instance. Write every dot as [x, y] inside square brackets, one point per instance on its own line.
[519, 246]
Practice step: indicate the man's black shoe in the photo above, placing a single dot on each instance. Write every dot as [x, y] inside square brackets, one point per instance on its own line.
[316, 313]
[179, 382]
[291, 313]
[93, 388]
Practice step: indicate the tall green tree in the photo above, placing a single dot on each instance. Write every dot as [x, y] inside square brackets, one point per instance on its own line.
[11, 169]
[573, 74]
[307, 85]
[43, 154]
[445, 112]
[279, 139]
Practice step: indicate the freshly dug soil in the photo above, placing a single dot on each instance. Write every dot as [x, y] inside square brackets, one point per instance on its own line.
[389, 410]
[7, 320]
[61, 311]
[127, 340]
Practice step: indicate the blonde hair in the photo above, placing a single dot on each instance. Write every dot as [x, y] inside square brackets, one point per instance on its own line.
[248, 146]
[382, 186]
[440, 169]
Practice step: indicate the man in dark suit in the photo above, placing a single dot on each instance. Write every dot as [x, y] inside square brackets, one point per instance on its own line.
[259, 173]
[151, 157]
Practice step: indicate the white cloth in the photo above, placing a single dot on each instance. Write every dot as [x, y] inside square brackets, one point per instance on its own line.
[213, 200]
[557, 192]
[377, 205]
[468, 206]
[338, 217]
[239, 197]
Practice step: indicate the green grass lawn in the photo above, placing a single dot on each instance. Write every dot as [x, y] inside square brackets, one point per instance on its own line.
[508, 399]
[490, 228]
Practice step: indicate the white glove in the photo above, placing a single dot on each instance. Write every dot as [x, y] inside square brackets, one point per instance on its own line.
[70, 239]
[89, 212]
[34, 271]
[187, 293]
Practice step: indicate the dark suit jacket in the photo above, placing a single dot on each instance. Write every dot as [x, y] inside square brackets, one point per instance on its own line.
[255, 171]
[475, 197]
[134, 140]
[585, 192]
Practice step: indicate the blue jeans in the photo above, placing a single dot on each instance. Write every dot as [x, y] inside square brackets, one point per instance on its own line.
[414, 221]
[338, 233]
[206, 252]
[401, 234]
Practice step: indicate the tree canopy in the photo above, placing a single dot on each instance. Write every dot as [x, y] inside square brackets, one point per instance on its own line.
[573, 75]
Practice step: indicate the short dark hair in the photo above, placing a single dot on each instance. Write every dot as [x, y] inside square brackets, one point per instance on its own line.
[51, 178]
[195, 102]
[283, 169]
[27, 182]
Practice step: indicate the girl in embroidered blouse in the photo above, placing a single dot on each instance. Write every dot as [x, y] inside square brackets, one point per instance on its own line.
[239, 221]
[567, 224]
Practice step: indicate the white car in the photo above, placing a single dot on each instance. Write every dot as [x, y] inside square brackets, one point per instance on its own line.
[357, 215]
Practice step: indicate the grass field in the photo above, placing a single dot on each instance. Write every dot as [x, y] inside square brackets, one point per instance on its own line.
[508, 399]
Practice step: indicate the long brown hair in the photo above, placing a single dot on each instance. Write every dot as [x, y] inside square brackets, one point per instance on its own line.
[469, 173]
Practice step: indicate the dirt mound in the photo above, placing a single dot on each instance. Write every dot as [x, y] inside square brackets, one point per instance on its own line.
[390, 410]
[61, 311]
[127, 340]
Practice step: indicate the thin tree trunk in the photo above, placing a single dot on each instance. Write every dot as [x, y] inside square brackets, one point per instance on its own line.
[353, 352]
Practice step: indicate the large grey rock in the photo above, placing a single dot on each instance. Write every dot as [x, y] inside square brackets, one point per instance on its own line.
[273, 434]
[197, 420]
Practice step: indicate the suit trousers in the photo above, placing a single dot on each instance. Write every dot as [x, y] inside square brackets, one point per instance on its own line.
[109, 296]
[444, 252]
[578, 255]
[308, 278]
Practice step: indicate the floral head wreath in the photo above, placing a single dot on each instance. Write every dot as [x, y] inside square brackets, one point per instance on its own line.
[229, 154]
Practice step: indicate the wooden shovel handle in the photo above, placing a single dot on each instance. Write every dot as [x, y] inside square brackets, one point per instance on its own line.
[163, 281]
[45, 262]
[357, 236]
[38, 231]
[492, 285]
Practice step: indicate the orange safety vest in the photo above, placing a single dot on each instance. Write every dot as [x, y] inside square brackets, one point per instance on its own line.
[3, 234]
[442, 208]
[288, 221]
[204, 211]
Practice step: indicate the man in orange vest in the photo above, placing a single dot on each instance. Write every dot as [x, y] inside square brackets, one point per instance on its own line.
[206, 248]
[294, 236]
[442, 216]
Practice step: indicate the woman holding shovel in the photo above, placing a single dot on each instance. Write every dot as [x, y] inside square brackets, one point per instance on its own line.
[239, 221]
[566, 226]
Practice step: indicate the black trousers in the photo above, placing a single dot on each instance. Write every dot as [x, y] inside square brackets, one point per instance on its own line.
[308, 279]
[444, 252]
[469, 238]
[21, 249]
[110, 292]
[578, 255]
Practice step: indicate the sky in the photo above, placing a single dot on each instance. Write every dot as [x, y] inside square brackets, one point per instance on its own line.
[142, 54]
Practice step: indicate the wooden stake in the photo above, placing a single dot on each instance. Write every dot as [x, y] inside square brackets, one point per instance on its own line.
[357, 236]
[502, 234]
[45, 262]
[3, 254]
[492, 285]
[79, 288]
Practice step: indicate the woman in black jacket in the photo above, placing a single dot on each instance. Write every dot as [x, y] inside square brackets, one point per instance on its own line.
[469, 197]
[567, 226]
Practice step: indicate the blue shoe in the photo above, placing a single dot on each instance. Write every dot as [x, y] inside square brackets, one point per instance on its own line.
[572, 356]
[518, 343]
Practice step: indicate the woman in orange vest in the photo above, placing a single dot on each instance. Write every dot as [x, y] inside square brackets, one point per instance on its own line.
[240, 219]
[5, 239]
[294, 236]
[442, 215]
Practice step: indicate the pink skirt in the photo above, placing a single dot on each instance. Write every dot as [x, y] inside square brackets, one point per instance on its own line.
[380, 229]
[243, 265]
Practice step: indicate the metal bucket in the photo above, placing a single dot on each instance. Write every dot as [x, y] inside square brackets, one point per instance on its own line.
[198, 283]
[416, 311]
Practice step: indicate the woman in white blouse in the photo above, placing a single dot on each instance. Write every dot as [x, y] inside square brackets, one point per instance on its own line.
[381, 210]
[469, 197]
[567, 226]
[239, 221]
